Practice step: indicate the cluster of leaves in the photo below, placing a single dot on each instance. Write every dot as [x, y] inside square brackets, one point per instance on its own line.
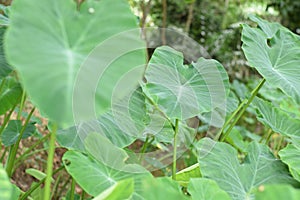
[49, 51]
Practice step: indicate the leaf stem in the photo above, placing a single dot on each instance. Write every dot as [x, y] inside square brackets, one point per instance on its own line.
[230, 119]
[13, 150]
[6, 119]
[72, 191]
[243, 109]
[21, 105]
[50, 163]
[174, 170]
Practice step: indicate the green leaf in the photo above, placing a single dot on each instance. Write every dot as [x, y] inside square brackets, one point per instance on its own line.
[8, 191]
[183, 177]
[4, 67]
[290, 156]
[183, 91]
[274, 55]
[160, 189]
[202, 188]
[58, 69]
[219, 162]
[268, 28]
[73, 137]
[10, 94]
[36, 174]
[93, 176]
[120, 190]
[277, 192]
[278, 120]
[12, 131]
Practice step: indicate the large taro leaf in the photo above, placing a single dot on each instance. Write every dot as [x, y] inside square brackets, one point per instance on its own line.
[291, 156]
[92, 175]
[184, 91]
[278, 120]
[202, 188]
[274, 51]
[219, 161]
[48, 41]
[277, 192]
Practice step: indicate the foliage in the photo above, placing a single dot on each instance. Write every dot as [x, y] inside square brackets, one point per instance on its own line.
[143, 122]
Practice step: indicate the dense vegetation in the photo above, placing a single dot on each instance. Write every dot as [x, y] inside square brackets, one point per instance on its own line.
[149, 113]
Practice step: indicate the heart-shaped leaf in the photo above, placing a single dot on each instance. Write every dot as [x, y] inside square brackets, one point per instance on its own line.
[183, 91]
[219, 162]
[275, 53]
[12, 131]
[93, 176]
[59, 69]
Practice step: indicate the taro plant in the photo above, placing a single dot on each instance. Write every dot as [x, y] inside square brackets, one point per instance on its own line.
[123, 120]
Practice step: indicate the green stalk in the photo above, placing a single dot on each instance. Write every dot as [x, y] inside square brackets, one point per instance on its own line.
[82, 195]
[35, 186]
[21, 105]
[3, 154]
[6, 119]
[51, 150]
[253, 95]
[175, 150]
[72, 192]
[269, 136]
[14, 148]
[54, 190]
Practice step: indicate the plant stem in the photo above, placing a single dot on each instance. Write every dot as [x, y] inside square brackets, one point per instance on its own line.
[6, 119]
[175, 150]
[253, 95]
[54, 190]
[72, 192]
[35, 186]
[269, 136]
[230, 119]
[21, 105]
[3, 154]
[50, 163]
[82, 195]
[13, 151]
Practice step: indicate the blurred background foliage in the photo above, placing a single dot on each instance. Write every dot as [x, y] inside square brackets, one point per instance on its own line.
[215, 24]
